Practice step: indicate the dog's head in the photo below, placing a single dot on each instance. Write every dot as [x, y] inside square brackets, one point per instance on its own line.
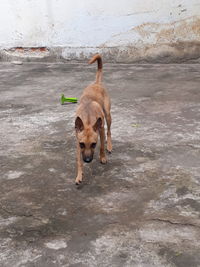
[87, 137]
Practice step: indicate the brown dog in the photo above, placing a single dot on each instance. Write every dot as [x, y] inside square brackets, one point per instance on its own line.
[93, 108]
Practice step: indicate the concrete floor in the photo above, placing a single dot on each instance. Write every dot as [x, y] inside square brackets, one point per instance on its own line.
[141, 209]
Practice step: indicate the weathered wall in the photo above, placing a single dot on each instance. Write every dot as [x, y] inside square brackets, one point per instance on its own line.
[124, 30]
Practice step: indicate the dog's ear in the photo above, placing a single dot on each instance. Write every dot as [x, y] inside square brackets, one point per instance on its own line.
[98, 124]
[79, 124]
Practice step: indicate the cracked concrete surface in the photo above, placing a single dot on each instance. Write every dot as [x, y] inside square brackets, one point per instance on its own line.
[141, 209]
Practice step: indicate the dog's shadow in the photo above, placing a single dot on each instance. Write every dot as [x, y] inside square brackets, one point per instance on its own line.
[123, 157]
[95, 171]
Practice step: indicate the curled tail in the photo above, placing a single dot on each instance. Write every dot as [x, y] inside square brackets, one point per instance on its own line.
[100, 66]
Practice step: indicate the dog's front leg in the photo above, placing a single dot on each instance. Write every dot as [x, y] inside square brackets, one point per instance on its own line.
[79, 177]
[102, 146]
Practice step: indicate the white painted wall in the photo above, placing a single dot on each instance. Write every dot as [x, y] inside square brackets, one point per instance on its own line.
[91, 23]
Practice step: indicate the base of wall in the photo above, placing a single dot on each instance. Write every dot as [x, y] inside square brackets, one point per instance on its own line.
[162, 53]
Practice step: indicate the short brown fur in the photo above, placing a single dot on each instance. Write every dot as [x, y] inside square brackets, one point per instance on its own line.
[93, 109]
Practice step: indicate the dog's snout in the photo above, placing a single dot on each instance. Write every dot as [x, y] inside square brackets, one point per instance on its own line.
[88, 159]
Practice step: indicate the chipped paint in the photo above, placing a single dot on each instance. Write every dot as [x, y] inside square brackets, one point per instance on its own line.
[126, 31]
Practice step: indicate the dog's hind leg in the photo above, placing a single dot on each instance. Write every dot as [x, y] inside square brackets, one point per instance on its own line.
[102, 145]
[108, 122]
[79, 177]
[109, 140]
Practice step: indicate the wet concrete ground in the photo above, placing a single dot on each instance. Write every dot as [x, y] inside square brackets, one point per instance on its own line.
[141, 209]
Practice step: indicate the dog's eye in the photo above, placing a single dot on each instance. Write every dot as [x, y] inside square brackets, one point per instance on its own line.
[93, 145]
[82, 145]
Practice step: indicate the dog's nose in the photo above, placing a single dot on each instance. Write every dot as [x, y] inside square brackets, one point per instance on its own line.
[87, 159]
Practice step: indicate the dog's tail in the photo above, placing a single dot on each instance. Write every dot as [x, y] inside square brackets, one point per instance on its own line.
[100, 66]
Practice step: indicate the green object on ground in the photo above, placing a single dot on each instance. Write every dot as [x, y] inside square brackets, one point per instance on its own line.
[135, 125]
[68, 99]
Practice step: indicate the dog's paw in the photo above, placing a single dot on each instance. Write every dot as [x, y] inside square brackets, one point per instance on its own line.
[109, 150]
[103, 160]
[78, 180]
[109, 147]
